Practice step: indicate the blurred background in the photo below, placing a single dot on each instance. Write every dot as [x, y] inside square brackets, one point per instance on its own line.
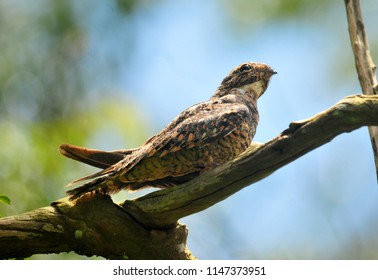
[109, 74]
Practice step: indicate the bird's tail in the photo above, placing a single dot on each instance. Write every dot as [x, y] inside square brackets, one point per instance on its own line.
[104, 181]
[97, 158]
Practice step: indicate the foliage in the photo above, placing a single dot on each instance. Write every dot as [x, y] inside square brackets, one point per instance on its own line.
[4, 199]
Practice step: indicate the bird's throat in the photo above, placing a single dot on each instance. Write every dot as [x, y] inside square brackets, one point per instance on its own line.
[256, 88]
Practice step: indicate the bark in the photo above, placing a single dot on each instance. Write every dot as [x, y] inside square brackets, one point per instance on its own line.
[93, 225]
[147, 227]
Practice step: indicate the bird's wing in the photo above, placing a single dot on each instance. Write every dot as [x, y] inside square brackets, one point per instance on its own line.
[198, 126]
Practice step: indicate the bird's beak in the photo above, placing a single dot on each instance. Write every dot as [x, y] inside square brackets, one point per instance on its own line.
[272, 73]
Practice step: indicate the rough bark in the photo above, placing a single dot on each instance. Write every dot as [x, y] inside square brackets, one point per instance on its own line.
[147, 227]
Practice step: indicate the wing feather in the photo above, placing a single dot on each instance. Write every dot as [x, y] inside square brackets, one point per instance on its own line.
[199, 128]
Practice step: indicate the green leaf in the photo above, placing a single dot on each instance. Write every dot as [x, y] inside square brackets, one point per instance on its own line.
[5, 199]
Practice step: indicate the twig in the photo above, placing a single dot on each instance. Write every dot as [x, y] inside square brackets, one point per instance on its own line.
[364, 62]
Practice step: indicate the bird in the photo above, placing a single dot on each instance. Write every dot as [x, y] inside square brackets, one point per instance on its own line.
[205, 135]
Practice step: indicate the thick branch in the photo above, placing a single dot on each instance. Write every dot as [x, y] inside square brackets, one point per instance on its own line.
[364, 62]
[92, 226]
[147, 228]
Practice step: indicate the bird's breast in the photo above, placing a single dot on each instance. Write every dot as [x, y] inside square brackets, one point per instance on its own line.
[230, 146]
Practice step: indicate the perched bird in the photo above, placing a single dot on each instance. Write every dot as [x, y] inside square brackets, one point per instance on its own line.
[203, 136]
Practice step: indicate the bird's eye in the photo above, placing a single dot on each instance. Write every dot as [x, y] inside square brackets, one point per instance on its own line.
[245, 67]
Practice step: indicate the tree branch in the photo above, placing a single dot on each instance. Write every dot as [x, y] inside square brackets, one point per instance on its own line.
[165, 207]
[364, 62]
[91, 226]
[147, 228]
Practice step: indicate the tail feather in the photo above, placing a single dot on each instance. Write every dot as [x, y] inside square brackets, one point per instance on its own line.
[95, 185]
[97, 158]
[99, 175]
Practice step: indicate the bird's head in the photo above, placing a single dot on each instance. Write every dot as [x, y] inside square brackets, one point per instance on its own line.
[247, 78]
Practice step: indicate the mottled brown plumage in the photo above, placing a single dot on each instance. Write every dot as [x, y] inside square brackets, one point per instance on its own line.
[203, 136]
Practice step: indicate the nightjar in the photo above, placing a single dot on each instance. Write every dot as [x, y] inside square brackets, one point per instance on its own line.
[203, 136]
